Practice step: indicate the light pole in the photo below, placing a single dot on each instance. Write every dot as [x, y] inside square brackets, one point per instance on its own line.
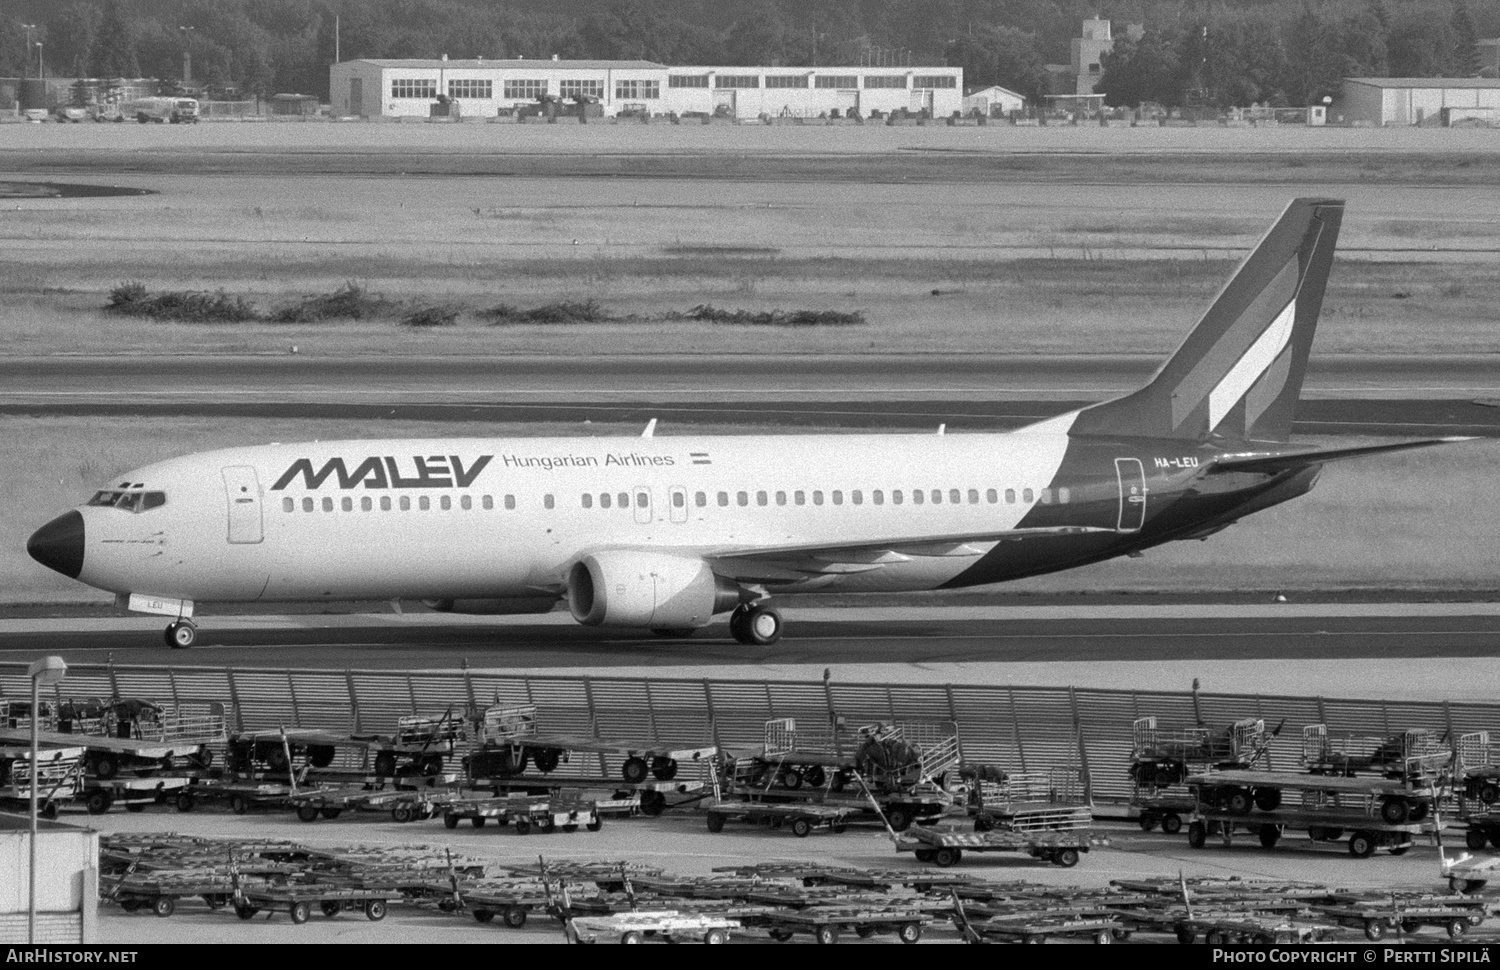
[49, 671]
[40, 73]
[26, 61]
[187, 55]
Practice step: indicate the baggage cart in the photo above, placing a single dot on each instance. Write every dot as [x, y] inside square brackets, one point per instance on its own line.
[299, 901]
[825, 924]
[637, 927]
[543, 813]
[1391, 801]
[508, 739]
[947, 848]
[1379, 917]
[1364, 834]
[800, 820]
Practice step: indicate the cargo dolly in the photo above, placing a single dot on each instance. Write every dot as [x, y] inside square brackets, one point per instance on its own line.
[1377, 917]
[513, 903]
[1391, 801]
[540, 813]
[825, 924]
[1365, 834]
[798, 819]
[298, 901]
[508, 738]
[637, 927]
[1041, 927]
[946, 847]
[59, 777]
[161, 895]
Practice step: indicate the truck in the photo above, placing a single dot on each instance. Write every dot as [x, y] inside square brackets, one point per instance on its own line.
[177, 111]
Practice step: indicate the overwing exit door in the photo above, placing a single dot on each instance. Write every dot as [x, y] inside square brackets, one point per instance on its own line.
[1132, 478]
[242, 491]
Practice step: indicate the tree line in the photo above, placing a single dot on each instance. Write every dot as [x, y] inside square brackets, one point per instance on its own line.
[1193, 50]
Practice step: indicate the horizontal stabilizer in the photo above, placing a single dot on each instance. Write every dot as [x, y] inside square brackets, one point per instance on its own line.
[1290, 461]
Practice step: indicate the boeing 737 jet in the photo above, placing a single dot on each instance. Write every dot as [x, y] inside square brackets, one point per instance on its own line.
[666, 533]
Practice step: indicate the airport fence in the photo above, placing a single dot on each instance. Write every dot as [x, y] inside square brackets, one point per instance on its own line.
[1016, 728]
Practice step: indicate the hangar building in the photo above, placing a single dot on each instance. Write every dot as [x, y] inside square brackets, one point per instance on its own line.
[1416, 100]
[375, 88]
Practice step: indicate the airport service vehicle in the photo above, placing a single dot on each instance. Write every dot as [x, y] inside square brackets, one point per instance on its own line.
[177, 111]
[667, 533]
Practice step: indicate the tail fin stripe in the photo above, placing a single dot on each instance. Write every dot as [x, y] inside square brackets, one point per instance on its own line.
[1251, 367]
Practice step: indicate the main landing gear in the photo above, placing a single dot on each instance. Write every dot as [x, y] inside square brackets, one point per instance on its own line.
[756, 626]
[180, 635]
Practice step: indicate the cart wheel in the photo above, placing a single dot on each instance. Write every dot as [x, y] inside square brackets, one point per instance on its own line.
[185, 802]
[300, 912]
[307, 813]
[245, 912]
[385, 764]
[791, 780]
[595, 825]
[1268, 799]
[1489, 793]
[1374, 929]
[663, 768]
[1475, 838]
[523, 825]
[97, 801]
[515, 916]
[1197, 835]
[450, 821]
[478, 821]
[105, 766]
[1361, 845]
[237, 804]
[1457, 885]
[1239, 801]
[826, 935]
[1186, 936]
[653, 803]
[164, 906]
[716, 936]
[801, 828]
[1103, 936]
[1269, 836]
[983, 823]
[633, 936]
[946, 857]
[1171, 823]
[547, 825]
[1395, 811]
[839, 828]
[634, 770]
[1148, 823]
[320, 755]
[402, 813]
[375, 910]
[1410, 926]
[840, 780]
[331, 813]
[900, 818]
[330, 907]
[1067, 858]
[815, 776]
[1457, 928]
[1401, 849]
[781, 936]
[910, 932]
[130, 905]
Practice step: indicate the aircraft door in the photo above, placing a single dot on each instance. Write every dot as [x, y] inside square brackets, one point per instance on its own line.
[242, 491]
[642, 504]
[1132, 477]
[678, 502]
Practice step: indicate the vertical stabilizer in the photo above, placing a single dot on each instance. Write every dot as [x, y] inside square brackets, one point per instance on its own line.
[1238, 375]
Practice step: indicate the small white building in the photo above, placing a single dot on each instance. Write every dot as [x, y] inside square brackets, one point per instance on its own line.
[994, 101]
[67, 881]
[1415, 100]
[376, 88]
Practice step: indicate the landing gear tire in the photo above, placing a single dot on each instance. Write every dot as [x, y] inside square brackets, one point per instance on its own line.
[180, 635]
[756, 626]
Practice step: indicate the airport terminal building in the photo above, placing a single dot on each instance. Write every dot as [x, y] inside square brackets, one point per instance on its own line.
[375, 89]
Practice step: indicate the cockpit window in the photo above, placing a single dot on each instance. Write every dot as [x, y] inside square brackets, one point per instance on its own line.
[132, 500]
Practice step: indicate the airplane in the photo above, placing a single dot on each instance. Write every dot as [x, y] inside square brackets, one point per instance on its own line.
[667, 533]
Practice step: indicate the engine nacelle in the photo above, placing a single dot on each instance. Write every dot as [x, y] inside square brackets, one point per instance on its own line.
[625, 587]
[510, 606]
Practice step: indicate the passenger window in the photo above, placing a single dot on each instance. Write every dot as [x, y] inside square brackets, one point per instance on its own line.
[679, 500]
[1027, 496]
[347, 504]
[642, 500]
[878, 497]
[588, 500]
[1010, 496]
[385, 503]
[723, 500]
[973, 496]
[328, 505]
[857, 497]
[623, 497]
[510, 501]
[937, 496]
[916, 496]
[366, 504]
[487, 502]
[991, 496]
[1046, 496]
[743, 498]
[548, 501]
[445, 503]
[604, 500]
[762, 498]
[799, 497]
[838, 497]
[817, 497]
[307, 505]
[405, 501]
[423, 503]
[466, 503]
[780, 498]
[896, 496]
[287, 505]
[700, 499]
[1064, 496]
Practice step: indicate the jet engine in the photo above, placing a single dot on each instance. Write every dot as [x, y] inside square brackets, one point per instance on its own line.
[625, 587]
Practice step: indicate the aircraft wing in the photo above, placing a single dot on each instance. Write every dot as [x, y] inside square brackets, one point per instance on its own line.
[1291, 461]
[807, 559]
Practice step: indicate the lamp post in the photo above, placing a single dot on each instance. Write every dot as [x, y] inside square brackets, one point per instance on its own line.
[49, 671]
[187, 55]
[26, 61]
[40, 72]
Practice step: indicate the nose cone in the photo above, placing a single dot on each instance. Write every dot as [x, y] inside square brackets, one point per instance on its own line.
[59, 544]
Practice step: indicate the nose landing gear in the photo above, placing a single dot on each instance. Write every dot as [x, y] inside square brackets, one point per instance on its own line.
[756, 626]
[180, 635]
